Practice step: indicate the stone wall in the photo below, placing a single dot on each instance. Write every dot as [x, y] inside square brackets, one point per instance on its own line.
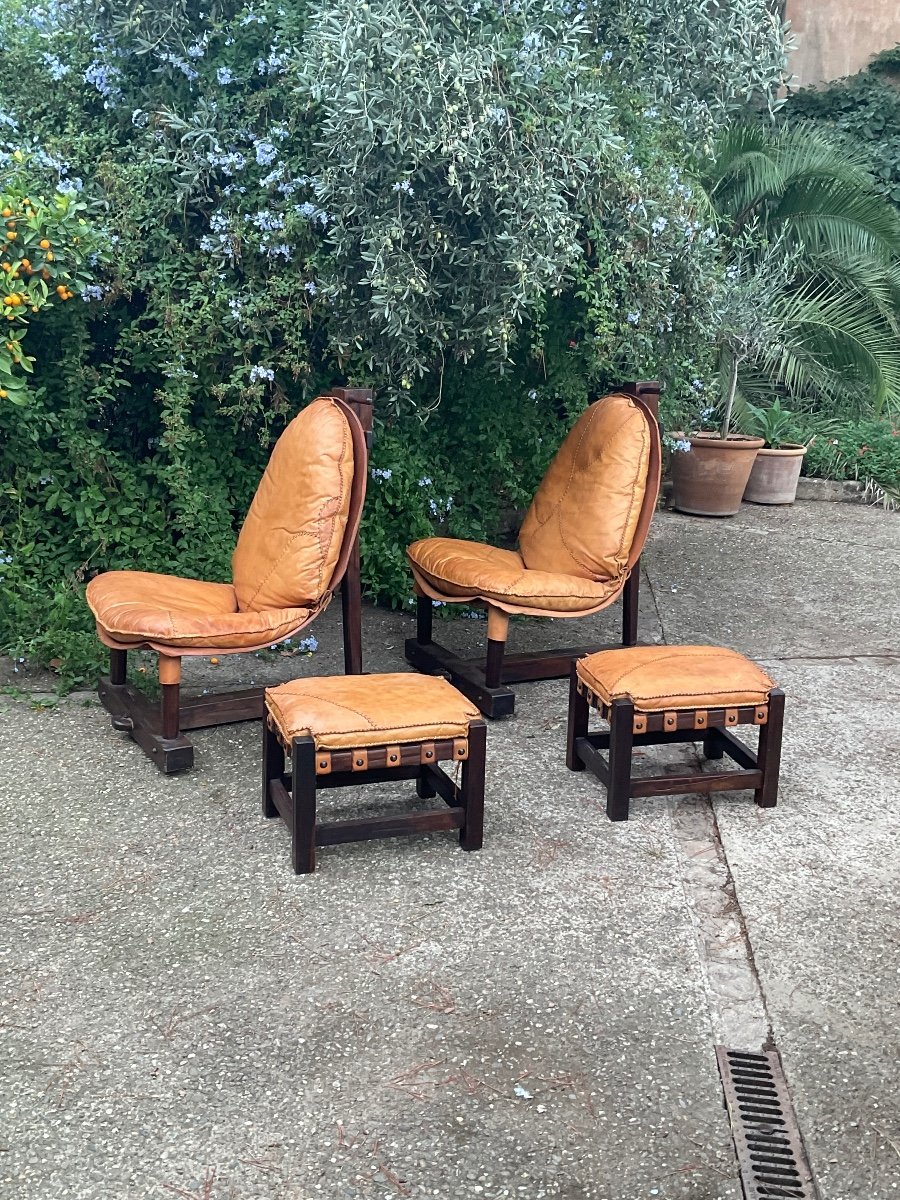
[838, 37]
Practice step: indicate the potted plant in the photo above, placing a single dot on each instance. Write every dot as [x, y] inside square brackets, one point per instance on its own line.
[710, 469]
[776, 468]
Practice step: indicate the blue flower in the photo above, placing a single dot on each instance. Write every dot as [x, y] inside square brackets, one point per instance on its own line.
[266, 153]
[381, 473]
[659, 224]
[633, 318]
[103, 77]
[309, 645]
[224, 76]
[403, 185]
[58, 70]
[257, 373]
[425, 481]
[91, 292]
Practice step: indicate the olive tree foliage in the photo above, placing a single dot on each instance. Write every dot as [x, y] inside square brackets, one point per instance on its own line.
[460, 150]
[705, 59]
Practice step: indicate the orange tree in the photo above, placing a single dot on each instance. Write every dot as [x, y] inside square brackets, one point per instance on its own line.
[44, 252]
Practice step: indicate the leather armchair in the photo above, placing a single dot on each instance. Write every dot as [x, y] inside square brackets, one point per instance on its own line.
[579, 548]
[297, 543]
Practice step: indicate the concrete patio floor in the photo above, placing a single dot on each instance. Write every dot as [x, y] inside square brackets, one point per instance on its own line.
[182, 1016]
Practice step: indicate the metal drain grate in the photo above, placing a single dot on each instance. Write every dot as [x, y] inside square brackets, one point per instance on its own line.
[764, 1127]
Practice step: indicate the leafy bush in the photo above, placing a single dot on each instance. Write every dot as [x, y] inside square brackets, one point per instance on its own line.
[485, 211]
[865, 111]
[868, 451]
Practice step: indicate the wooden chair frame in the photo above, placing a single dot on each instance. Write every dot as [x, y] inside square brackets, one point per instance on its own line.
[485, 681]
[159, 729]
[292, 795]
[627, 729]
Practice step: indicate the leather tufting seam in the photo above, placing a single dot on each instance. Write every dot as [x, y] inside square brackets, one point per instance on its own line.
[608, 688]
[319, 521]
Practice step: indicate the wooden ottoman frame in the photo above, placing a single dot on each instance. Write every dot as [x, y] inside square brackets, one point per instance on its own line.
[292, 795]
[629, 728]
[160, 728]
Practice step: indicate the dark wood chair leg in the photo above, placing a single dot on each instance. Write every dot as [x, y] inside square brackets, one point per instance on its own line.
[712, 746]
[471, 836]
[272, 767]
[118, 667]
[170, 699]
[768, 756]
[621, 741]
[577, 724]
[497, 629]
[424, 618]
[303, 803]
[631, 594]
[425, 789]
[351, 613]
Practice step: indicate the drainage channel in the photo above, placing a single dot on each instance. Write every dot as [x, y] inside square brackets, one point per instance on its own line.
[764, 1127]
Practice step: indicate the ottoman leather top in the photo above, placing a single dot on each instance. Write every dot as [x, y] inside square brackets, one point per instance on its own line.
[658, 678]
[354, 711]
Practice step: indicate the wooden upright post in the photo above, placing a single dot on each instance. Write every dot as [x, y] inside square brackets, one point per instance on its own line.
[362, 401]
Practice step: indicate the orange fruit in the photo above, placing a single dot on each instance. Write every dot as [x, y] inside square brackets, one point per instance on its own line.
[11, 235]
[49, 256]
[60, 290]
[3, 393]
[44, 244]
[7, 212]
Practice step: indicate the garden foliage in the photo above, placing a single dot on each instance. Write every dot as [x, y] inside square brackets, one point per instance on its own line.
[483, 210]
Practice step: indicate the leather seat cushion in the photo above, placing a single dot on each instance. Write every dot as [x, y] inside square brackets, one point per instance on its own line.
[291, 540]
[471, 571]
[583, 518]
[658, 678]
[350, 711]
[139, 607]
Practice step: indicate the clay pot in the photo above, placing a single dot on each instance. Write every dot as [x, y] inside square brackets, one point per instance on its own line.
[709, 479]
[773, 479]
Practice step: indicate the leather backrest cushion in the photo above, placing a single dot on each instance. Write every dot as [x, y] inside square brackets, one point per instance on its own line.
[585, 512]
[291, 539]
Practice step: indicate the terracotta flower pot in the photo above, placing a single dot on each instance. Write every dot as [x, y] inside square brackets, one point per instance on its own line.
[709, 479]
[773, 479]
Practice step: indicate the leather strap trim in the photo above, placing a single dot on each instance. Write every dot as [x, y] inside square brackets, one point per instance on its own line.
[323, 762]
[670, 721]
[359, 760]
[426, 753]
[392, 756]
[701, 720]
[639, 724]
[731, 716]
[460, 748]
[761, 716]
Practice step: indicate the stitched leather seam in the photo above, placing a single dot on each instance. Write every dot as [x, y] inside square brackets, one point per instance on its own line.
[645, 434]
[175, 635]
[412, 723]
[499, 591]
[594, 410]
[341, 460]
[592, 570]
[609, 688]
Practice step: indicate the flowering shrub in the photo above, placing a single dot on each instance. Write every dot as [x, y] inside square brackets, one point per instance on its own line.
[483, 210]
[44, 252]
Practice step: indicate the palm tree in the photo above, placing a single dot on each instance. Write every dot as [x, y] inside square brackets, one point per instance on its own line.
[834, 332]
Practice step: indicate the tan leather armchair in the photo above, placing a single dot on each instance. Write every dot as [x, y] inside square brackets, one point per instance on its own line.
[579, 550]
[297, 544]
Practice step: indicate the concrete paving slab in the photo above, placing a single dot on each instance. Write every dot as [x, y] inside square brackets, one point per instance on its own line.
[181, 1016]
[410, 1021]
[817, 881]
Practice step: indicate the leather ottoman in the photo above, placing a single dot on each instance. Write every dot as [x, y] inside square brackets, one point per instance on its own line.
[344, 730]
[659, 695]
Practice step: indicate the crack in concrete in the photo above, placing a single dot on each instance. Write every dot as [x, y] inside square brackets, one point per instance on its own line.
[738, 1010]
